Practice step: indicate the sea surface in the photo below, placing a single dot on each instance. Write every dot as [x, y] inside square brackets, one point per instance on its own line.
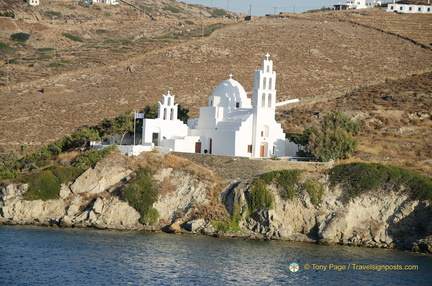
[55, 256]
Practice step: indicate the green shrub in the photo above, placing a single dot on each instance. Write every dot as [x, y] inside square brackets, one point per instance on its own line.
[53, 14]
[45, 49]
[315, 190]
[286, 180]
[7, 14]
[358, 178]
[220, 13]
[91, 157]
[73, 38]
[190, 22]
[332, 140]
[172, 9]
[259, 197]
[4, 47]
[231, 224]
[141, 195]
[45, 185]
[20, 37]
[102, 31]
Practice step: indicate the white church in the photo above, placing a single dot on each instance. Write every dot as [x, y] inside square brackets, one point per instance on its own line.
[232, 124]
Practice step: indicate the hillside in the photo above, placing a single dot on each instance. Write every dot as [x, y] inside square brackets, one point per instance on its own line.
[126, 61]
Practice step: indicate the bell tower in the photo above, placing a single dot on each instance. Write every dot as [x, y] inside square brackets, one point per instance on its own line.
[167, 109]
[264, 106]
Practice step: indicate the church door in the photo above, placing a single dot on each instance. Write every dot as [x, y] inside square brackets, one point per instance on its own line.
[211, 146]
[198, 147]
[155, 139]
[262, 150]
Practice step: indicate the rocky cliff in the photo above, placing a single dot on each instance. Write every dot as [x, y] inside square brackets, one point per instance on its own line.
[191, 199]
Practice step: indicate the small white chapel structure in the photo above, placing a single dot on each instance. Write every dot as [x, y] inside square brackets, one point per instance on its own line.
[230, 125]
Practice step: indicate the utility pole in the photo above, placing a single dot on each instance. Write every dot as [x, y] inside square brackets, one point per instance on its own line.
[7, 72]
[250, 10]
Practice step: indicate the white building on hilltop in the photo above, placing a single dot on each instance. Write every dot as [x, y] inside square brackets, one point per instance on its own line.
[356, 4]
[33, 2]
[230, 125]
[409, 8]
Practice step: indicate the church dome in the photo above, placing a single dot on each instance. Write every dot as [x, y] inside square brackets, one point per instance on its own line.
[230, 88]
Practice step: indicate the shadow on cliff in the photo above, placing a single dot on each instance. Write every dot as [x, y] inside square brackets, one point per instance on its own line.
[417, 225]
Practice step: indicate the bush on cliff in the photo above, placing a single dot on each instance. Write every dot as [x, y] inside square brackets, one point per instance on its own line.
[358, 178]
[45, 185]
[287, 181]
[141, 194]
[259, 197]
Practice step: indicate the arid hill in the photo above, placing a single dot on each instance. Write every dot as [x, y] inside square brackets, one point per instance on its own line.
[125, 60]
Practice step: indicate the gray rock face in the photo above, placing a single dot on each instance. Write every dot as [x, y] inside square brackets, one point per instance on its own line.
[388, 219]
[105, 174]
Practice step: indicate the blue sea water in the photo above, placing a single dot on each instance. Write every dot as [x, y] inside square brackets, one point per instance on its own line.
[54, 256]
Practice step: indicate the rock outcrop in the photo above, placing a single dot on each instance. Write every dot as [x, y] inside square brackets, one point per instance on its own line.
[383, 219]
[190, 200]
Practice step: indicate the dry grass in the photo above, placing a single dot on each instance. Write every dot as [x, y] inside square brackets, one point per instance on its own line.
[396, 117]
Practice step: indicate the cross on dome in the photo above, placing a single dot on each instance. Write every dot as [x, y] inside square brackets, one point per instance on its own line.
[267, 56]
[168, 92]
[231, 75]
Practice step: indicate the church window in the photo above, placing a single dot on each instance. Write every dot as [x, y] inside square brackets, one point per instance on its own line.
[211, 102]
[249, 149]
[263, 100]
[169, 101]
[172, 114]
[269, 101]
[237, 104]
[165, 116]
[265, 131]
[264, 83]
[270, 83]
[268, 68]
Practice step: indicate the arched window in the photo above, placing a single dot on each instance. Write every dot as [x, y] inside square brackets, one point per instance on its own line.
[172, 114]
[269, 104]
[169, 101]
[270, 83]
[263, 100]
[268, 68]
[264, 83]
[165, 116]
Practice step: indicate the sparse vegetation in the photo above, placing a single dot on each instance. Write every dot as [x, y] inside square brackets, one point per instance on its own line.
[230, 224]
[7, 14]
[359, 178]
[46, 184]
[91, 157]
[4, 47]
[171, 9]
[20, 37]
[315, 190]
[220, 13]
[45, 49]
[141, 195]
[259, 197]
[101, 31]
[286, 180]
[73, 37]
[53, 14]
